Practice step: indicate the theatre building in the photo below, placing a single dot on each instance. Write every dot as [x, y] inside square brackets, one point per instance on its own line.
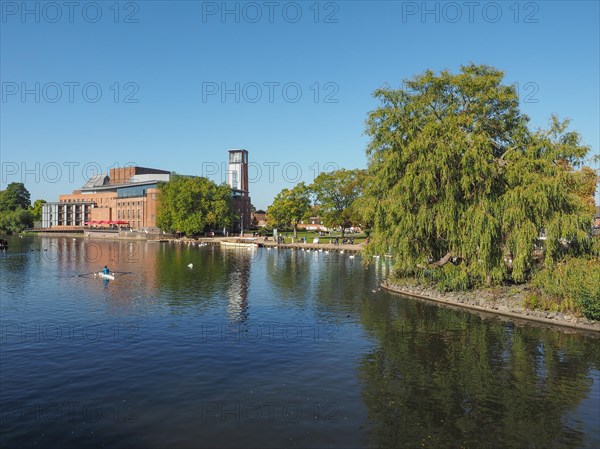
[126, 196]
[129, 197]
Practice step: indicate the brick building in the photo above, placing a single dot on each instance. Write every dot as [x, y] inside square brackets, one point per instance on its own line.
[129, 196]
[237, 179]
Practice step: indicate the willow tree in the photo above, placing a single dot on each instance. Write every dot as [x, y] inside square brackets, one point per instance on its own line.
[462, 186]
[193, 205]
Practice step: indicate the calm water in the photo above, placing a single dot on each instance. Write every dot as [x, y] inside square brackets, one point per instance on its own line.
[269, 349]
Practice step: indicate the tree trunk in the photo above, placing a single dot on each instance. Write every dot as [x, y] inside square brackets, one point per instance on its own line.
[440, 263]
[295, 230]
[444, 260]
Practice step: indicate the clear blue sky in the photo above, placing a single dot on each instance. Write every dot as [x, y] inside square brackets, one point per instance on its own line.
[179, 56]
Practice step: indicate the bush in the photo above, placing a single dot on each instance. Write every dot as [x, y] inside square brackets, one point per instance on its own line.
[572, 284]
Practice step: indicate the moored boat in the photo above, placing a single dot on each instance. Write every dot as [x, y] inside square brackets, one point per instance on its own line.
[241, 242]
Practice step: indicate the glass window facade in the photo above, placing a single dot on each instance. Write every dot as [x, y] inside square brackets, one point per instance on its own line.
[134, 191]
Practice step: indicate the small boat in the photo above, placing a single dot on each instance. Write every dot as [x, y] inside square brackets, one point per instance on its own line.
[106, 276]
[240, 242]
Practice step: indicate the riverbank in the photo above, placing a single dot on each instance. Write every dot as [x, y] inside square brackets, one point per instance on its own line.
[504, 301]
[355, 248]
[261, 242]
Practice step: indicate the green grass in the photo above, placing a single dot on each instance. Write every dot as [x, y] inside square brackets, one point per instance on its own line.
[310, 235]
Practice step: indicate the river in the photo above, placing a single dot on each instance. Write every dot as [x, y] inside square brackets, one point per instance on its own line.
[269, 349]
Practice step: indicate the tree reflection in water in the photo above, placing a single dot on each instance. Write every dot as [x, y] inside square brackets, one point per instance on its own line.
[442, 378]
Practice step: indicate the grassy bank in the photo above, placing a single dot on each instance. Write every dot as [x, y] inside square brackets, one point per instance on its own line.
[571, 286]
[310, 235]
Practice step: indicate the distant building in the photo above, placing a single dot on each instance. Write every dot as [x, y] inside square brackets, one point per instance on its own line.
[597, 217]
[129, 197]
[237, 179]
[259, 218]
[313, 224]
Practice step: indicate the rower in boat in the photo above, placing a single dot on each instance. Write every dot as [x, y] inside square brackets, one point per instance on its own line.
[105, 274]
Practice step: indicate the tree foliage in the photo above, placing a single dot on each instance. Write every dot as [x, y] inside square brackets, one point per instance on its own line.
[193, 205]
[335, 194]
[14, 221]
[456, 176]
[14, 204]
[36, 210]
[16, 196]
[290, 207]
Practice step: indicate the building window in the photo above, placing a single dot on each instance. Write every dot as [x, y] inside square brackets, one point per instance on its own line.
[118, 214]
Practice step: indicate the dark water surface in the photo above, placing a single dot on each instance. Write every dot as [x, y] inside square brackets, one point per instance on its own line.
[268, 349]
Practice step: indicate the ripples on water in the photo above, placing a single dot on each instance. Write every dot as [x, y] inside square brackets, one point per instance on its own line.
[267, 349]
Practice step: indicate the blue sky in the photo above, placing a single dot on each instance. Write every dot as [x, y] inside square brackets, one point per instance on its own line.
[291, 82]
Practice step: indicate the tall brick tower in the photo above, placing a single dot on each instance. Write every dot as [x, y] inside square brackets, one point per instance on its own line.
[237, 178]
[237, 173]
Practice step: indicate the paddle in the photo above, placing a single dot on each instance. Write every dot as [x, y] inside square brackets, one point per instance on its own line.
[97, 272]
[86, 274]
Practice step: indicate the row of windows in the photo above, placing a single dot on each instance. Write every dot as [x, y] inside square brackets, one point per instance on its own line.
[108, 200]
[121, 214]
[88, 200]
[79, 200]
[128, 203]
[69, 209]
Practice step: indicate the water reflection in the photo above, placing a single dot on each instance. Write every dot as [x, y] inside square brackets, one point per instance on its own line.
[238, 285]
[291, 274]
[442, 378]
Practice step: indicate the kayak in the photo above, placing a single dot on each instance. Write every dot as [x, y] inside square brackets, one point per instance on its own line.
[106, 276]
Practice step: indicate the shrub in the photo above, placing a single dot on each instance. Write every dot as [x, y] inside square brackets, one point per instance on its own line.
[573, 284]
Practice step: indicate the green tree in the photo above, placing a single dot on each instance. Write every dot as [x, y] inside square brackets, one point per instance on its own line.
[336, 193]
[457, 177]
[36, 210]
[16, 196]
[14, 221]
[193, 205]
[290, 207]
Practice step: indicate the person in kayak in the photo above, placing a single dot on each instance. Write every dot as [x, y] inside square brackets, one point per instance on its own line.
[106, 270]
